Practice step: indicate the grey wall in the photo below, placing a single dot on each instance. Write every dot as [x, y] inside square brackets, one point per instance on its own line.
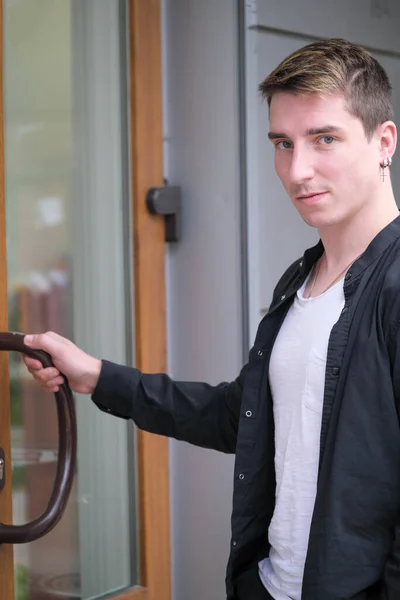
[276, 234]
[203, 270]
[204, 278]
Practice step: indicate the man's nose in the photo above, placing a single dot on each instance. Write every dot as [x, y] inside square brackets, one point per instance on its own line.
[302, 166]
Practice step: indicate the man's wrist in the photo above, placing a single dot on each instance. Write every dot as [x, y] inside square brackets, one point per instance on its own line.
[93, 375]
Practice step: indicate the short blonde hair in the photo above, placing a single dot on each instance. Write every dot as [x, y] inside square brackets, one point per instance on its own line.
[332, 66]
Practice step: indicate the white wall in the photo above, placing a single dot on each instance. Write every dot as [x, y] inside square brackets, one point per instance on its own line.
[204, 281]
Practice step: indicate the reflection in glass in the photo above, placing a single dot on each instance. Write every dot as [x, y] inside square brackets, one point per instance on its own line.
[54, 151]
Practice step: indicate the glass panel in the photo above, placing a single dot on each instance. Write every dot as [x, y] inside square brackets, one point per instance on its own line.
[66, 192]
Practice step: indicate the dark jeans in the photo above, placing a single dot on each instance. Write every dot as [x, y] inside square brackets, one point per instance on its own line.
[250, 587]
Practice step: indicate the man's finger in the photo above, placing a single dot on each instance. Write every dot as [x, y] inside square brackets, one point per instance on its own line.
[53, 389]
[32, 363]
[49, 374]
[51, 383]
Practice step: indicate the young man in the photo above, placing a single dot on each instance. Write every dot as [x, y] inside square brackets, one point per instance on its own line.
[313, 416]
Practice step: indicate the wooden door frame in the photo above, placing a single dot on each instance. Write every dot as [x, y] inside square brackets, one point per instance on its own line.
[146, 167]
[149, 285]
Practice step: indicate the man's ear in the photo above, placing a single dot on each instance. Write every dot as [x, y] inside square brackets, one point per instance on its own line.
[387, 139]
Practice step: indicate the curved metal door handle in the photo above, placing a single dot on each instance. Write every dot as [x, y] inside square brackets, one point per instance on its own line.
[67, 441]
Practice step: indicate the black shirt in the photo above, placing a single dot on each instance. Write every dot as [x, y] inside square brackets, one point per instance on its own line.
[354, 544]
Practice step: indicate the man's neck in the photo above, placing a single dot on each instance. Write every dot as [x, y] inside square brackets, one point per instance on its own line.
[346, 241]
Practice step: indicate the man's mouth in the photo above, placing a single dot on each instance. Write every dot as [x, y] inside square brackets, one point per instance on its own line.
[310, 199]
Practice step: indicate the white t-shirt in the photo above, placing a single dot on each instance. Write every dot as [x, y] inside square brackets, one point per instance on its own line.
[297, 379]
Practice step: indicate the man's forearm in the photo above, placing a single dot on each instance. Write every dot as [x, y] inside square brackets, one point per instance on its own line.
[194, 412]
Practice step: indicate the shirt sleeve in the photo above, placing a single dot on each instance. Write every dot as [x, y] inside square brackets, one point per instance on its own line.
[194, 412]
[393, 345]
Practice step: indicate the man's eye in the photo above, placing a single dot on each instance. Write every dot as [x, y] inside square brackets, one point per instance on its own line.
[284, 145]
[327, 139]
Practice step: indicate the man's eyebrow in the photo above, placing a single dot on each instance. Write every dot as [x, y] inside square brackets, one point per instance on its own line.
[274, 135]
[326, 129]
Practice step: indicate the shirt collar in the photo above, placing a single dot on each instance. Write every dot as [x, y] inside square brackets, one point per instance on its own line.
[376, 247]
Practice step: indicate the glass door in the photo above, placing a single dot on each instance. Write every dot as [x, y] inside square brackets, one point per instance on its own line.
[66, 198]
[67, 106]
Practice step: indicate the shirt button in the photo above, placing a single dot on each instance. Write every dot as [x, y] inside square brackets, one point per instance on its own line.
[248, 413]
[234, 543]
[260, 353]
[241, 476]
[348, 275]
[335, 371]
[283, 296]
[301, 264]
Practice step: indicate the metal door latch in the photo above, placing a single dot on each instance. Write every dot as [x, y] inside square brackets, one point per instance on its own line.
[166, 201]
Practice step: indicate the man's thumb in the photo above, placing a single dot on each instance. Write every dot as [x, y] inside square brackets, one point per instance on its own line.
[36, 341]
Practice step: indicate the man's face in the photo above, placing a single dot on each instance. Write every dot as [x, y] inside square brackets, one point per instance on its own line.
[323, 158]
